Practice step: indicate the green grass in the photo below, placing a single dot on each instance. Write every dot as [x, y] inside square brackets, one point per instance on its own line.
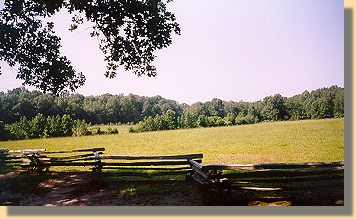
[290, 141]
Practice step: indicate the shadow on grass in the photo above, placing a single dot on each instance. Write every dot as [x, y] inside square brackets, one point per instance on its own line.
[109, 188]
[246, 197]
[7, 168]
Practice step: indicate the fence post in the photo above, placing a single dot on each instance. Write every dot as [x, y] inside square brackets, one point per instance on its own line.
[3, 155]
[35, 162]
[97, 161]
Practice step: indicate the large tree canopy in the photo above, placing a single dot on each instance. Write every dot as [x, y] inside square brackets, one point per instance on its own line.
[129, 31]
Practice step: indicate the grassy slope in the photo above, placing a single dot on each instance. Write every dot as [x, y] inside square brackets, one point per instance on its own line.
[297, 141]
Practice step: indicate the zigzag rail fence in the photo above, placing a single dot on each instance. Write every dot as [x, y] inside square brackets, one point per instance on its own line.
[267, 177]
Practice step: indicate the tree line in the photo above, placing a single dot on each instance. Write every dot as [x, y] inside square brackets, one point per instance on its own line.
[321, 103]
[158, 111]
[50, 126]
[41, 127]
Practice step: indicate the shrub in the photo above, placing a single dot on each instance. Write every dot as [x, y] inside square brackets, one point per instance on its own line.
[132, 129]
[202, 121]
[111, 131]
[80, 128]
[214, 121]
[21, 129]
[54, 127]
[5, 132]
[97, 131]
[246, 119]
[67, 125]
[38, 124]
[188, 121]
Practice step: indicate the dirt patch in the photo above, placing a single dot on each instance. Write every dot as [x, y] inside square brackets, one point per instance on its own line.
[91, 189]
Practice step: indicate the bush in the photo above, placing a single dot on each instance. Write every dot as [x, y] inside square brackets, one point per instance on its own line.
[21, 129]
[96, 131]
[202, 121]
[111, 131]
[5, 132]
[214, 121]
[80, 128]
[189, 121]
[230, 119]
[67, 125]
[38, 124]
[132, 130]
[246, 119]
[53, 127]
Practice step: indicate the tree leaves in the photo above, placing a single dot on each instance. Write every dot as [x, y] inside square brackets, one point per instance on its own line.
[128, 31]
[34, 49]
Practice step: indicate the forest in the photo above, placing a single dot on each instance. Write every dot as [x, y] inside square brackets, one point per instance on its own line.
[21, 106]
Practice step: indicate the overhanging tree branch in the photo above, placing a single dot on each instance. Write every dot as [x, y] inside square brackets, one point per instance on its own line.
[129, 31]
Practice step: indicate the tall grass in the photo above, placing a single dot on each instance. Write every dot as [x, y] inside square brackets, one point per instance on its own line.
[290, 141]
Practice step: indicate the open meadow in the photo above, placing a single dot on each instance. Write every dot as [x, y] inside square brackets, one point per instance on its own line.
[297, 141]
[288, 141]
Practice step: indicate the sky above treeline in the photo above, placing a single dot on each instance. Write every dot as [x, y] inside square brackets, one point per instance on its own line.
[228, 49]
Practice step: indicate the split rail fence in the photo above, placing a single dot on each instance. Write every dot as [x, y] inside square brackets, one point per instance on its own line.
[273, 176]
[37, 160]
[257, 177]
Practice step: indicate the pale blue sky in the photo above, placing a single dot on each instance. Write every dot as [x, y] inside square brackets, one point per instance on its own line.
[229, 49]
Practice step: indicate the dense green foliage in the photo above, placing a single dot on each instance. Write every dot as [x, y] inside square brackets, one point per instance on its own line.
[158, 113]
[52, 126]
[101, 109]
[128, 33]
[322, 103]
[41, 127]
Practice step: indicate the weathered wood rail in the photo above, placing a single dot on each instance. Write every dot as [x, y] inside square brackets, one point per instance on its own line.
[39, 159]
[275, 176]
[257, 177]
[148, 165]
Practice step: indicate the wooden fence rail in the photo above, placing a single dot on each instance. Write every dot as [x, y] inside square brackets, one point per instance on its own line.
[276, 176]
[259, 177]
[40, 159]
[268, 166]
[148, 165]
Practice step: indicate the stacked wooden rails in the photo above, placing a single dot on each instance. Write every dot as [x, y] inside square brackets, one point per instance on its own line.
[12, 159]
[253, 177]
[147, 166]
[278, 176]
[37, 160]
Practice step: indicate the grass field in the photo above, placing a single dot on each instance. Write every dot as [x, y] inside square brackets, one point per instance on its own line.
[290, 141]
